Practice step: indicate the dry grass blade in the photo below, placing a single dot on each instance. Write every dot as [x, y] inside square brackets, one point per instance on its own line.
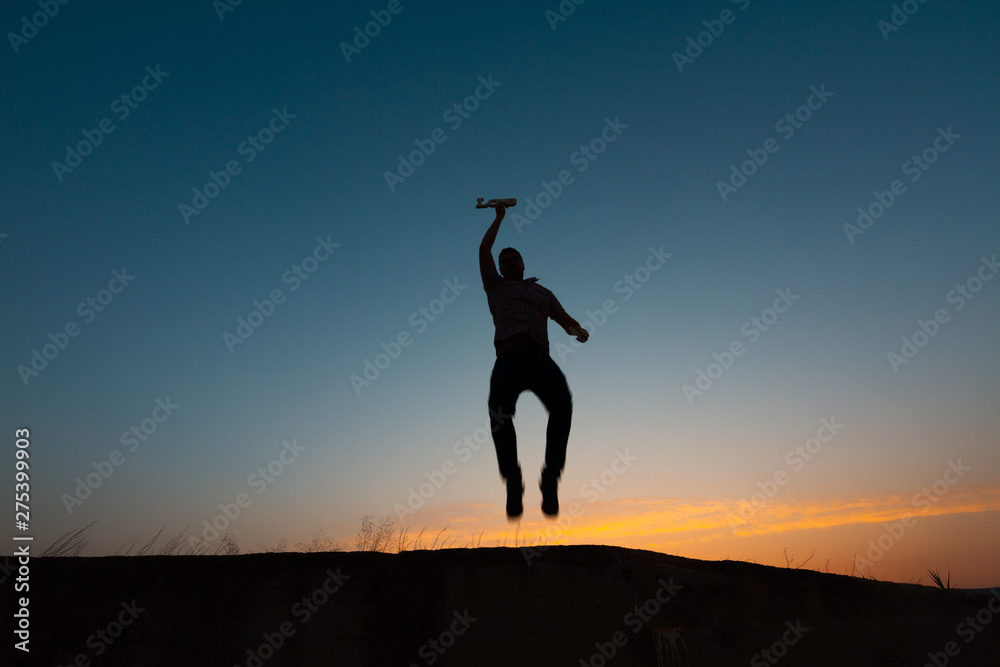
[175, 546]
[401, 540]
[125, 549]
[941, 582]
[69, 544]
[434, 544]
[149, 545]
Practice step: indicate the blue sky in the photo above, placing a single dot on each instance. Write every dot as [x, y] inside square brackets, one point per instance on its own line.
[320, 181]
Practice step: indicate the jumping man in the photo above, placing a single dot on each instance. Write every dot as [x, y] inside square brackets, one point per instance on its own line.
[520, 310]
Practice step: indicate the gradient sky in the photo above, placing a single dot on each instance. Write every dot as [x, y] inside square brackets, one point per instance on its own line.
[914, 442]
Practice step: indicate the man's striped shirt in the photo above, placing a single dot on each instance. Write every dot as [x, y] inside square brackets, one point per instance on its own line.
[521, 307]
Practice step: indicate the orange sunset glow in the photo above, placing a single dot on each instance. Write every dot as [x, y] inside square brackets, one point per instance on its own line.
[838, 531]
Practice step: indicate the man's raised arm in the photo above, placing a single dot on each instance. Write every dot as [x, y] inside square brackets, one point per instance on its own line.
[487, 269]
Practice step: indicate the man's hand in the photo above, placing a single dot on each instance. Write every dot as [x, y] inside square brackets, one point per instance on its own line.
[501, 212]
[571, 326]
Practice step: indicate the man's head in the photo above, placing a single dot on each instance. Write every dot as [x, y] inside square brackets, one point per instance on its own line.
[511, 264]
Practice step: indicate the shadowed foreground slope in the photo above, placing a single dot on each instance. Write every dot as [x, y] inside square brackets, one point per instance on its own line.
[570, 605]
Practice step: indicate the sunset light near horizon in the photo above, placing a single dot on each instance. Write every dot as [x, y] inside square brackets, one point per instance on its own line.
[242, 293]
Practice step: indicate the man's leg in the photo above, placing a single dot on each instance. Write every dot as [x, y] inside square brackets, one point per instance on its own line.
[551, 388]
[506, 384]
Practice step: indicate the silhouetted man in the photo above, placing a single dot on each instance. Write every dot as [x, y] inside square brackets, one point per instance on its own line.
[521, 309]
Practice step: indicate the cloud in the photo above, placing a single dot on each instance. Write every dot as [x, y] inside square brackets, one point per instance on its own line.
[649, 521]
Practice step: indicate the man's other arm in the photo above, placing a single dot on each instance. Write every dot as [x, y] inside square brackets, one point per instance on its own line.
[571, 326]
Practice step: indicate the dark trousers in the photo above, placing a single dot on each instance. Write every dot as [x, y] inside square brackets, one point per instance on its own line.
[515, 371]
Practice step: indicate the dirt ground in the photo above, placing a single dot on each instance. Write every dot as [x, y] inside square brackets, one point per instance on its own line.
[568, 605]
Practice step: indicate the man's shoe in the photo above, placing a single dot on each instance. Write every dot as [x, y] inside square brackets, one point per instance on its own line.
[550, 496]
[515, 493]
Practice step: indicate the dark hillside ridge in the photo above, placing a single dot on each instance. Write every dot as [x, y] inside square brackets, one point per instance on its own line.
[565, 605]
